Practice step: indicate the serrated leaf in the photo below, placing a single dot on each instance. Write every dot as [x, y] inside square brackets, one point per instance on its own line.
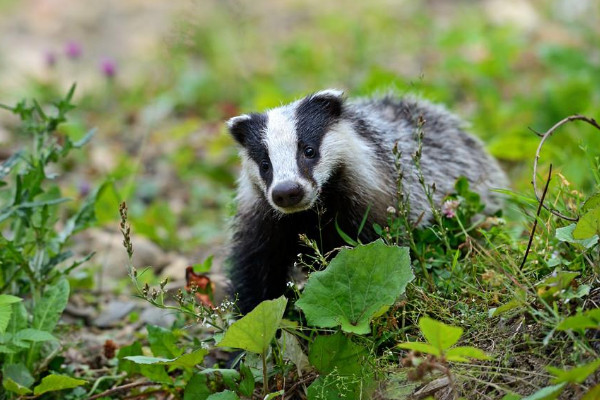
[438, 334]
[53, 383]
[188, 360]
[48, 311]
[420, 347]
[355, 285]
[6, 310]
[547, 393]
[574, 375]
[588, 225]
[255, 331]
[464, 353]
[337, 352]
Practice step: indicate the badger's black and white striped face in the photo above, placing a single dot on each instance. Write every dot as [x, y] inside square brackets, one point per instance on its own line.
[291, 151]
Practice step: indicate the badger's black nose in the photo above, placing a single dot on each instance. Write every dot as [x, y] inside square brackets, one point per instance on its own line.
[287, 194]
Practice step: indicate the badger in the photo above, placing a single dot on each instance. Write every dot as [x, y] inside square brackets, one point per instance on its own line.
[325, 160]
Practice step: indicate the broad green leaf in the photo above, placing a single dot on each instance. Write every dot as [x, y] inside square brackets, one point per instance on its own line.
[6, 310]
[588, 225]
[574, 375]
[357, 283]
[48, 311]
[565, 234]
[438, 334]
[547, 393]
[17, 378]
[511, 305]
[255, 331]
[463, 353]
[577, 322]
[337, 352]
[163, 342]
[420, 347]
[14, 387]
[224, 395]
[592, 202]
[52, 383]
[189, 360]
[34, 335]
[197, 388]
[134, 349]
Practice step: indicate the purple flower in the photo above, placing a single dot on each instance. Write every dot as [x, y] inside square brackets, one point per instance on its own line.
[49, 58]
[73, 50]
[449, 208]
[108, 68]
[84, 188]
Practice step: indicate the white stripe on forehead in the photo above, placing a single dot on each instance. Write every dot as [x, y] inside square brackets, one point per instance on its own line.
[281, 140]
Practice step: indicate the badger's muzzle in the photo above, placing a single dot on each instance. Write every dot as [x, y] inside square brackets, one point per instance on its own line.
[287, 194]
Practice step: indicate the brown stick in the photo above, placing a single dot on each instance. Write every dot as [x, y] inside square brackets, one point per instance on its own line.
[122, 388]
[546, 135]
[537, 216]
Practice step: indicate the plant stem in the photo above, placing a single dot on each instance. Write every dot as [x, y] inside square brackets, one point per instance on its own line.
[265, 375]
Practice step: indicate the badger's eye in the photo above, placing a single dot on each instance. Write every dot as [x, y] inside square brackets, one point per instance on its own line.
[309, 152]
[264, 165]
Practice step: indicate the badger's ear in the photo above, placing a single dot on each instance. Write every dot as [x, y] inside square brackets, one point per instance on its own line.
[330, 100]
[238, 127]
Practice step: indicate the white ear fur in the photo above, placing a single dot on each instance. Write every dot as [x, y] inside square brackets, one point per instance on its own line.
[329, 93]
[232, 121]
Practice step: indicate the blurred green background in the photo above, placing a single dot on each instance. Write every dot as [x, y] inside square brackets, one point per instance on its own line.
[158, 78]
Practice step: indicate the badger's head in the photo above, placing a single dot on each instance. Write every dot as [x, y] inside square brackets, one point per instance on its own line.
[290, 152]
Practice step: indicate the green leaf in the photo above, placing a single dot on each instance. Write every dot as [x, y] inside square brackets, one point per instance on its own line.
[592, 202]
[6, 309]
[163, 342]
[438, 334]
[511, 305]
[592, 394]
[547, 393]
[224, 395]
[578, 322]
[420, 347]
[34, 335]
[134, 349]
[355, 285]
[565, 234]
[247, 383]
[52, 383]
[344, 235]
[17, 378]
[48, 311]
[188, 360]
[574, 375]
[463, 353]
[337, 352]
[588, 225]
[274, 395]
[255, 331]
[197, 388]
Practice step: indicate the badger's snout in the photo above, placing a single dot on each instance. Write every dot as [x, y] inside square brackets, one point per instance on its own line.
[287, 194]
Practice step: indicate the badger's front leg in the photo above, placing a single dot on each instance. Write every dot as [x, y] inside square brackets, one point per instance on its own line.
[264, 248]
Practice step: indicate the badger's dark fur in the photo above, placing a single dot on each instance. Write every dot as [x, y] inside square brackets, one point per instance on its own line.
[335, 153]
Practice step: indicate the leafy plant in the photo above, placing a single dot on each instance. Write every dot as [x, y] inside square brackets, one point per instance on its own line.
[33, 263]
